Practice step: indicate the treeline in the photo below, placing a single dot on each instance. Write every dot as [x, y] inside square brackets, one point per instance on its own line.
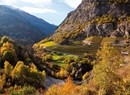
[105, 78]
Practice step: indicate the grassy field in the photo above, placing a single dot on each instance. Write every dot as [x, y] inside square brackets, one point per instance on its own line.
[78, 48]
[94, 39]
[57, 60]
[60, 51]
[77, 42]
[102, 40]
[111, 40]
[48, 44]
[61, 64]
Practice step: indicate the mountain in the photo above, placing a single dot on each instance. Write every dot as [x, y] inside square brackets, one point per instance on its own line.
[44, 26]
[23, 27]
[95, 18]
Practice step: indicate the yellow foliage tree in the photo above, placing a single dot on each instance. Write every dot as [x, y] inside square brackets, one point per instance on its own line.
[7, 68]
[7, 47]
[29, 75]
[109, 59]
[69, 88]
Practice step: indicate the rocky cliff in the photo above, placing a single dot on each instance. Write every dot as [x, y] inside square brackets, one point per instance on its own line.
[95, 18]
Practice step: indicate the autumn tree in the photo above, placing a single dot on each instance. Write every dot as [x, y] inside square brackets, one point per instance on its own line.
[29, 75]
[20, 70]
[8, 68]
[62, 73]
[85, 76]
[109, 59]
[46, 57]
[69, 88]
[4, 39]
[8, 53]
[69, 85]
[7, 47]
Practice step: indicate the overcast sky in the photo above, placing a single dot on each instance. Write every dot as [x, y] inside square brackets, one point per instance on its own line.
[53, 11]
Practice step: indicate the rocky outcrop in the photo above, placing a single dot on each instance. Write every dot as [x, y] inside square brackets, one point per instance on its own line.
[95, 18]
[123, 29]
[79, 74]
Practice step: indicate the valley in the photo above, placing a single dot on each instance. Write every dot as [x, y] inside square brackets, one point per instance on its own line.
[87, 54]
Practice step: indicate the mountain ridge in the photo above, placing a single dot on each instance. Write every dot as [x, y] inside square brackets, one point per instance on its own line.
[23, 27]
[95, 18]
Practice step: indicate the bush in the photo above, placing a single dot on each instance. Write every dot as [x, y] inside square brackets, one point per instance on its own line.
[47, 57]
[24, 91]
[8, 55]
[63, 73]
[85, 76]
[4, 39]
[69, 88]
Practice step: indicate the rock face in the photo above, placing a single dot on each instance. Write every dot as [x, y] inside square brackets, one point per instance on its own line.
[95, 18]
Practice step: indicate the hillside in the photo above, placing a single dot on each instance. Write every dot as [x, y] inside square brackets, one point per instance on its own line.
[23, 27]
[41, 24]
[89, 53]
[77, 41]
[95, 18]
[17, 68]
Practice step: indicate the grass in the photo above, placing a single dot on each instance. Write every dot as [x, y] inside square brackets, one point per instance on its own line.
[102, 40]
[57, 60]
[94, 39]
[48, 44]
[76, 50]
[81, 49]
[77, 42]
[61, 63]
[56, 57]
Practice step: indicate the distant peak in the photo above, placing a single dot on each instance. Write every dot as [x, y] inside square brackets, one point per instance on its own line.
[11, 7]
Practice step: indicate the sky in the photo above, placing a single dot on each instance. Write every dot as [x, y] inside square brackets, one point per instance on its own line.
[52, 11]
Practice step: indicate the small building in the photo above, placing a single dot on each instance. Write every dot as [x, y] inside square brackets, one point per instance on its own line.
[86, 42]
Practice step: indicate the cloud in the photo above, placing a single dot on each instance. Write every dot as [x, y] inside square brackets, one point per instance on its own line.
[73, 3]
[30, 6]
[37, 1]
[33, 10]
[8, 2]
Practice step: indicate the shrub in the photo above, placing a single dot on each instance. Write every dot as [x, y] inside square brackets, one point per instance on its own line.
[85, 76]
[4, 39]
[8, 55]
[24, 91]
[69, 88]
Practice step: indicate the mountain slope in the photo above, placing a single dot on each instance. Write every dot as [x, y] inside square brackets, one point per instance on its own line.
[95, 18]
[22, 26]
[44, 26]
